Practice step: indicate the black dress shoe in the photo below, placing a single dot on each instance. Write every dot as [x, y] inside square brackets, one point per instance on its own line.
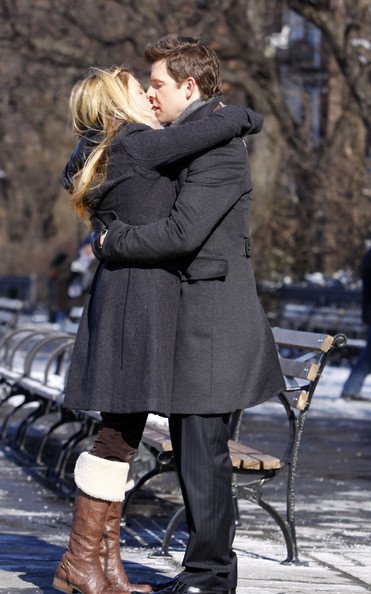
[177, 587]
[165, 585]
[358, 397]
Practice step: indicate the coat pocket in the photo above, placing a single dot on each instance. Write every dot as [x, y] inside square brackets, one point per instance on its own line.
[204, 268]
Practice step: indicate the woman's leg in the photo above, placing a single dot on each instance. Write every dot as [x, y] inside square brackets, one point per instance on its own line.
[92, 563]
[99, 482]
[118, 439]
[119, 436]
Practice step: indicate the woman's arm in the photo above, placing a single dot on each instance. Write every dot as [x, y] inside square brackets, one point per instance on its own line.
[77, 158]
[153, 148]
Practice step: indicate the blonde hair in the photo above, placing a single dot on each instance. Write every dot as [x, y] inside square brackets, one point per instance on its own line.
[100, 103]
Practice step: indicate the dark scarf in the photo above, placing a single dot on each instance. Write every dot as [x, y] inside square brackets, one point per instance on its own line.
[190, 109]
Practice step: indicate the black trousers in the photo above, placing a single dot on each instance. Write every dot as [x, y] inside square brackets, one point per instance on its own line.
[200, 444]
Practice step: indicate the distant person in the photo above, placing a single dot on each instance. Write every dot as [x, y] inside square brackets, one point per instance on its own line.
[353, 386]
[58, 280]
[81, 272]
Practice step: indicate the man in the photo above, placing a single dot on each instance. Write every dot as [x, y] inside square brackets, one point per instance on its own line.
[353, 386]
[225, 357]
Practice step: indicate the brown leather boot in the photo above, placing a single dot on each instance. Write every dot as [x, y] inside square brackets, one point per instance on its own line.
[110, 553]
[99, 482]
[80, 567]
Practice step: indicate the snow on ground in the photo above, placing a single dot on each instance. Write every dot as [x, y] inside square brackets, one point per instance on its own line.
[328, 393]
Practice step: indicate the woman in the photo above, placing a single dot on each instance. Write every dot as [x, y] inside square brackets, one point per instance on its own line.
[122, 360]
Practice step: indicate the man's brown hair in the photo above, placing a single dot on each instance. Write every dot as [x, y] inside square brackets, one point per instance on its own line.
[187, 56]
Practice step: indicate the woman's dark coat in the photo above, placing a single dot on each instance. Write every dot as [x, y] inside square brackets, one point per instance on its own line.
[124, 352]
[225, 355]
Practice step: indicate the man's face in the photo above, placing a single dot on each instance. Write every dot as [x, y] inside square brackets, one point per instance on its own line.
[169, 98]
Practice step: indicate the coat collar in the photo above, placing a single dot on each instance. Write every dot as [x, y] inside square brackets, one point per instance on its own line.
[205, 108]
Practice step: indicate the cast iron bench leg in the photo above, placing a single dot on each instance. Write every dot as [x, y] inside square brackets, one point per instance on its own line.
[171, 527]
[158, 469]
[9, 416]
[20, 436]
[45, 438]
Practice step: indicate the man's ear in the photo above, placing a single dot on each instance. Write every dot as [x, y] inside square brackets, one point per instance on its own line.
[191, 87]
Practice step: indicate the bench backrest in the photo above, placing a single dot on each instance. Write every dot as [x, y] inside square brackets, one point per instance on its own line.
[303, 356]
[36, 353]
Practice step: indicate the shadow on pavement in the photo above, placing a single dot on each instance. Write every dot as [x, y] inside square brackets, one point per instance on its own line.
[34, 560]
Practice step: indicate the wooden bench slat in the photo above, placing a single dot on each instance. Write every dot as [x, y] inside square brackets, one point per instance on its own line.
[244, 462]
[297, 399]
[38, 389]
[299, 339]
[248, 455]
[157, 438]
[242, 456]
[301, 369]
[258, 462]
[241, 448]
[269, 462]
[157, 429]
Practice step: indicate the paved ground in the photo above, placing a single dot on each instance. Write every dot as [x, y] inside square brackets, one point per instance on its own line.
[333, 508]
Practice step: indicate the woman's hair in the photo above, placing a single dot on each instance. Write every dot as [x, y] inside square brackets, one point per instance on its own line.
[99, 104]
[187, 56]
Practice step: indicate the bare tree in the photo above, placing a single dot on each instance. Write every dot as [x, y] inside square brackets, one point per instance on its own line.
[320, 196]
[309, 187]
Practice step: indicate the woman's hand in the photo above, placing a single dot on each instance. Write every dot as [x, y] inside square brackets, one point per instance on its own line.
[98, 236]
[102, 237]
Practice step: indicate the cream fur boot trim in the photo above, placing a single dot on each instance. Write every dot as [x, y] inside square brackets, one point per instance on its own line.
[100, 478]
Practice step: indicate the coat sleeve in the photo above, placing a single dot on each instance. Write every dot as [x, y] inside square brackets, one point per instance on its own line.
[155, 148]
[215, 182]
[77, 159]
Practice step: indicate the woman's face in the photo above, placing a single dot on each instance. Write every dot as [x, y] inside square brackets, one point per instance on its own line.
[139, 97]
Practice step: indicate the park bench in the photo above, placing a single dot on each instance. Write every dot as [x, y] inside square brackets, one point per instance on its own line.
[324, 309]
[33, 367]
[19, 287]
[35, 364]
[303, 356]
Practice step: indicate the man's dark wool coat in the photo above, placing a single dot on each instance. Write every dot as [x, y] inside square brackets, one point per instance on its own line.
[366, 287]
[124, 351]
[225, 355]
